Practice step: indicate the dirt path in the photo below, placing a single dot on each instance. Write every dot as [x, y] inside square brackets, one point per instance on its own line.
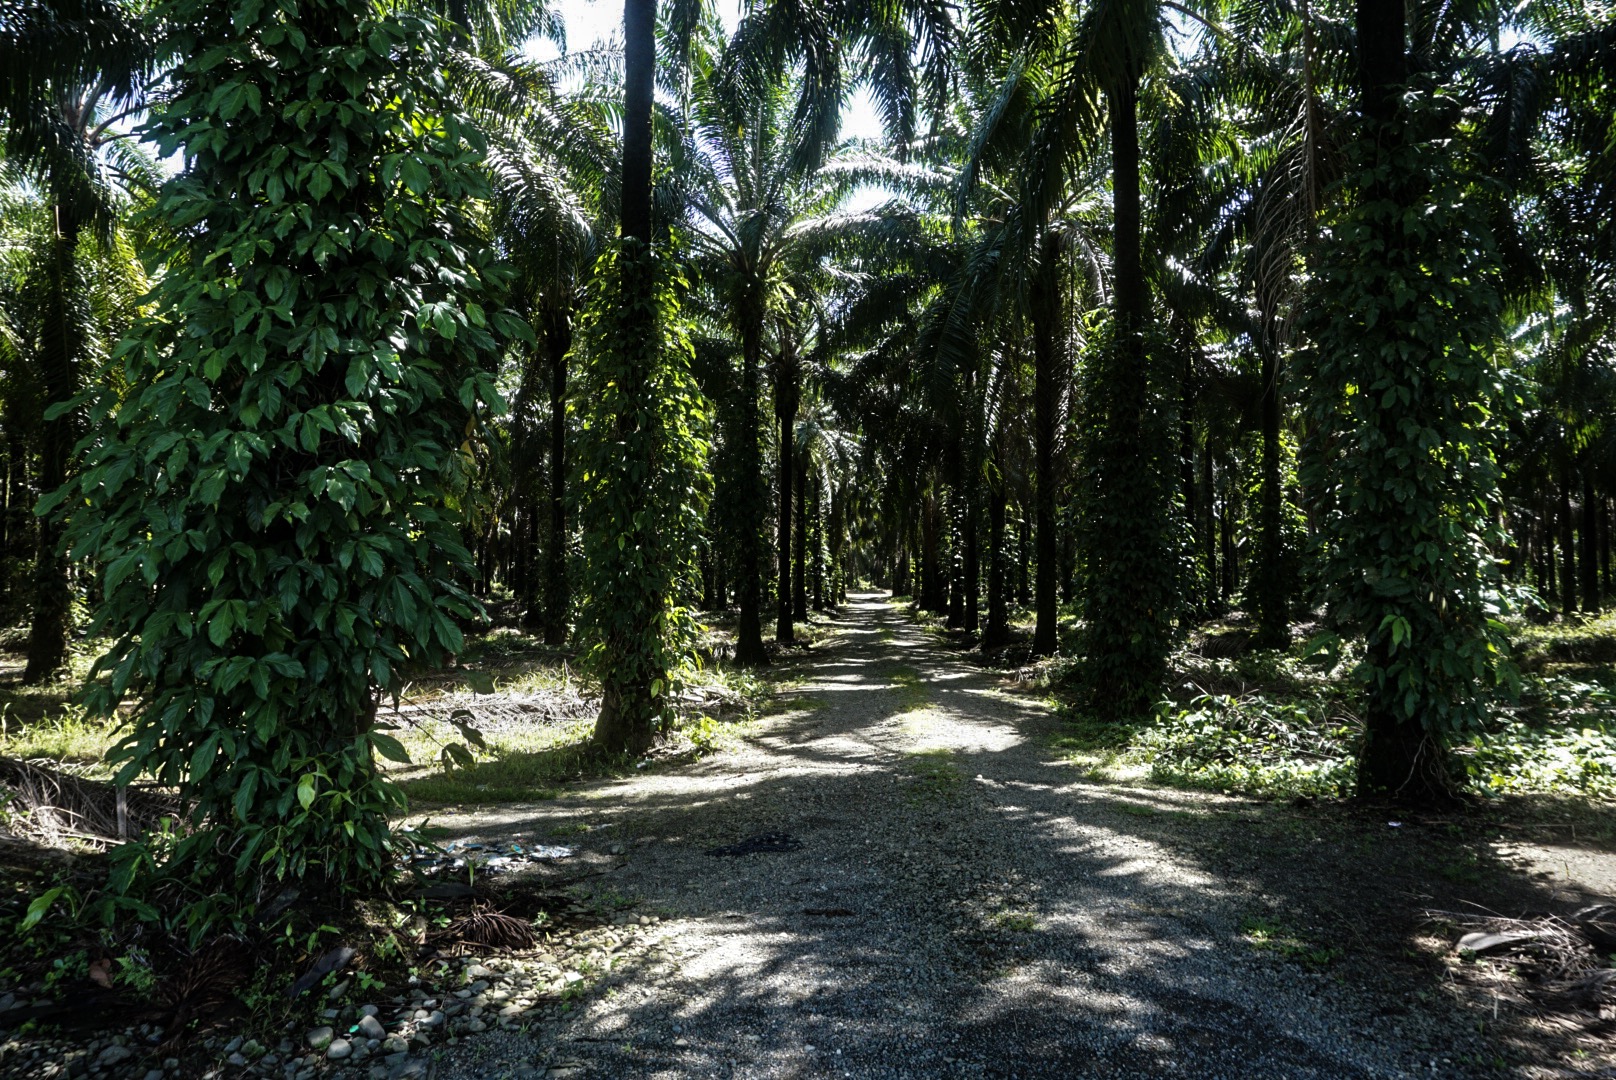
[963, 903]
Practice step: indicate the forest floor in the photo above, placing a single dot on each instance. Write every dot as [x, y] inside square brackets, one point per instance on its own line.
[967, 901]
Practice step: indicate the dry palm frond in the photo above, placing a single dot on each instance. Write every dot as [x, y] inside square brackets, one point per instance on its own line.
[49, 806]
[483, 929]
[1563, 960]
[205, 984]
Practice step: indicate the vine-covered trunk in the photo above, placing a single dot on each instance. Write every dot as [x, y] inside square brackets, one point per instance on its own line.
[785, 415]
[61, 353]
[1589, 537]
[1048, 386]
[997, 631]
[751, 492]
[557, 593]
[1130, 579]
[798, 565]
[1269, 582]
[1568, 558]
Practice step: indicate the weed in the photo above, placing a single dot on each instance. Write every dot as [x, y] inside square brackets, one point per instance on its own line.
[936, 775]
[1273, 935]
[1017, 921]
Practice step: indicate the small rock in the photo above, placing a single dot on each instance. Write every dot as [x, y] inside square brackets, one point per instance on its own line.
[477, 971]
[476, 1026]
[234, 1044]
[320, 1037]
[154, 1074]
[370, 1027]
[395, 1044]
[408, 1068]
[339, 1049]
[114, 1055]
[338, 990]
[368, 1010]
[237, 1060]
[681, 1042]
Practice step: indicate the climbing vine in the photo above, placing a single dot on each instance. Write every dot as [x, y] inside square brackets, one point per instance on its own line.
[1406, 407]
[642, 485]
[273, 503]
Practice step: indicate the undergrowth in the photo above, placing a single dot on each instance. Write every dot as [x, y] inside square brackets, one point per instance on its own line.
[1279, 725]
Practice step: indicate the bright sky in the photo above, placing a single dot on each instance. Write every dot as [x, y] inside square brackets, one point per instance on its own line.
[590, 22]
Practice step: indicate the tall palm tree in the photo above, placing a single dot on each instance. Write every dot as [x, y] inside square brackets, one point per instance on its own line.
[69, 69]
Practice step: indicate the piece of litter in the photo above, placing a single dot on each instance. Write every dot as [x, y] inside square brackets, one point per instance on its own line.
[1395, 824]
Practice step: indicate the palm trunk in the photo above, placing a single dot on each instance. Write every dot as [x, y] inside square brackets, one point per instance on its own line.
[1589, 537]
[1048, 384]
[64, 345]
[751, 492]
[1568, 567]
[557, 593]
[799, 566]
[997, 631]
[785, 415]
[1269, 581]
[624, 724]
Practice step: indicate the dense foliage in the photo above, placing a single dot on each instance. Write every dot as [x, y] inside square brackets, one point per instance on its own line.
[1137, 319]
[272, 498]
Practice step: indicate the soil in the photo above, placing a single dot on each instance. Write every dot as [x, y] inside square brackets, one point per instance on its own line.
[965, 902]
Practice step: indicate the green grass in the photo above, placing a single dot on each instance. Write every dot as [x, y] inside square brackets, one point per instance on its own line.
[62, 734]
[1578, 640]
[935, 774]
[1274, 936]
[1016, 921]
[518, 767]
[910, 688]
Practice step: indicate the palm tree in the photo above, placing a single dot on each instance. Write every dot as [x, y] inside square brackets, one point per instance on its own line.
[69, 70]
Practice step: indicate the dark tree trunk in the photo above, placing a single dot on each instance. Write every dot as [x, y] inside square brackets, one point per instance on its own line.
[1398, 759]
[799, 566]
[557, 590]
[1271, 584]
[785, 416]
[1605, 542]
[627, 708]
[816, 539]
[933, 597]
[751, 490]
[998, 626]
[1186, 449]
[62, 351]
[956, 549]
[1048, 386]
[1589, 536]
[1209, 527]
[1568, 565]
[1023, 559]
[973, 567]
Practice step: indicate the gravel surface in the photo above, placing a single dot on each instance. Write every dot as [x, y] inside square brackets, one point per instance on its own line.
[949, 898]
[961, 904]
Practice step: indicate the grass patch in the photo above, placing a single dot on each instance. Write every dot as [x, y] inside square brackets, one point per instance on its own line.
[520, 767]
[1020, 922]
[63, 735]
[910, 688]
[1570, 641]
[935, 774]
[1274, 936]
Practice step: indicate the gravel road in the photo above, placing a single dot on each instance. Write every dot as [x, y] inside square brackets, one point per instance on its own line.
[962, 904]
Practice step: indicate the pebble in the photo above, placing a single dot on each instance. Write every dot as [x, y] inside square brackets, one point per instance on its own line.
[339, 1049]
[114, 1055]
[320, 1037]
[370, 1027]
